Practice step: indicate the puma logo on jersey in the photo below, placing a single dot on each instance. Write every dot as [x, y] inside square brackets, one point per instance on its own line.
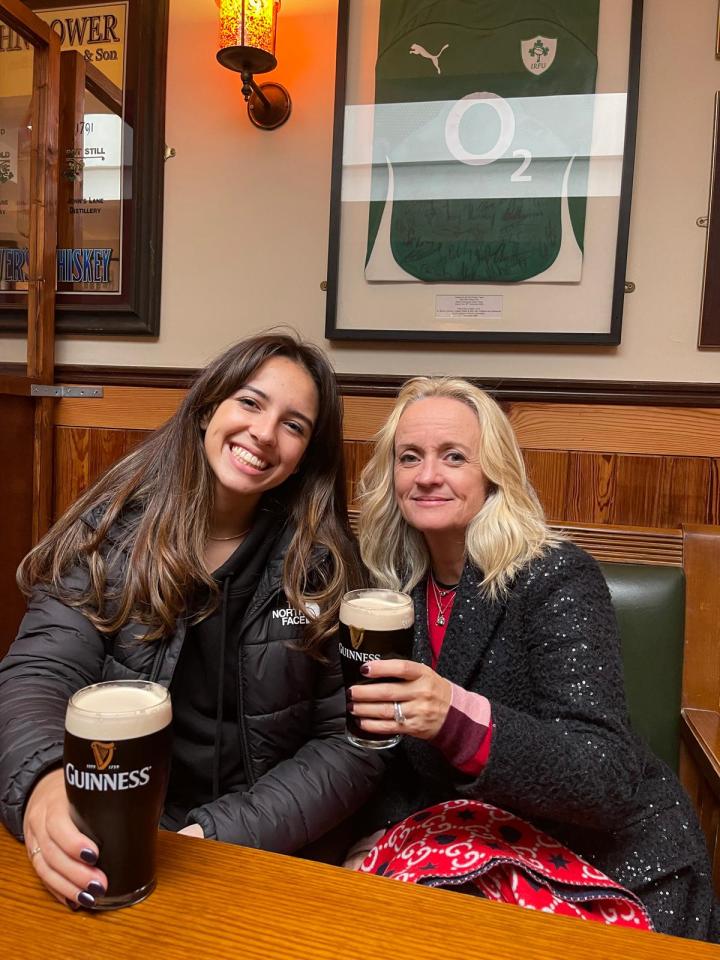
[434, 57]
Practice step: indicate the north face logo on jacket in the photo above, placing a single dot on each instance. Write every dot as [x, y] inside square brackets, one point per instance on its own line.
[289, 616]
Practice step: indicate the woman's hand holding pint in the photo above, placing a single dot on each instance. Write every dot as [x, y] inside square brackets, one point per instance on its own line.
[422, 695]
[62, 856]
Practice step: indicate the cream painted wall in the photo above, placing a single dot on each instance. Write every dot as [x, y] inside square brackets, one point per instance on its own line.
[246, 212]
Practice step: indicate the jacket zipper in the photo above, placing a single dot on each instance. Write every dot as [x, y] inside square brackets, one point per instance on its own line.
[158, 661]
[244, 743]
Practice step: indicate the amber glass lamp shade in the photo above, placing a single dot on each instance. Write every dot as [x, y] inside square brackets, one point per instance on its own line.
[247, 35]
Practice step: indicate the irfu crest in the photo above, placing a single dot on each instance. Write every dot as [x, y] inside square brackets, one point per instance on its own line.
[538, 54]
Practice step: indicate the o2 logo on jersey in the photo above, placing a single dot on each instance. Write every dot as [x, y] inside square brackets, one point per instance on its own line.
[504, 139]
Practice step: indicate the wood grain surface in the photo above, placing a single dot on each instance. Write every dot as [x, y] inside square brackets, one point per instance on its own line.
[219, 901]
[701, 668]
[134, 408]
[16, 507]
[647, 466]
[670, 431]
[577, 487]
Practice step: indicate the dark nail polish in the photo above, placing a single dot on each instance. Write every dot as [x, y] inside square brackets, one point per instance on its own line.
[365, 669]
[95, 888]
[85, 899]
[89, 856]
[72, 906]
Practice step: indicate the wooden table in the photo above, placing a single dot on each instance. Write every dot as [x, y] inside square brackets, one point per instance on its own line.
[219, 901]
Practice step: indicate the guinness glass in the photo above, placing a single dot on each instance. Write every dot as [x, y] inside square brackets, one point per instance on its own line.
[374, 625]
[117, 761]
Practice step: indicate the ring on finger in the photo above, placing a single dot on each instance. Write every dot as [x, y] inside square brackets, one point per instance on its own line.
[398, 712]
[34, 852]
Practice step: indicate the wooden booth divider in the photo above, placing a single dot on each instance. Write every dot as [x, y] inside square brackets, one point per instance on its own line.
[590, 463]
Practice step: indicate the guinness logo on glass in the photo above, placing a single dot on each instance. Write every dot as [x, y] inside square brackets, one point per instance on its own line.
[356, 637]
[103, 753]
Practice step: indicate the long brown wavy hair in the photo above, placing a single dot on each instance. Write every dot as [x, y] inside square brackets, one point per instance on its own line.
[157, 501]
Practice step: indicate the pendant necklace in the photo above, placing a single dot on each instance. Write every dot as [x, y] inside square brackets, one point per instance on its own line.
[440, 593]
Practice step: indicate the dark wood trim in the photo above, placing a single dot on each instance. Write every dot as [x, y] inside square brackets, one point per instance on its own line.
[623, 392]
[627, 393]
[168, 377]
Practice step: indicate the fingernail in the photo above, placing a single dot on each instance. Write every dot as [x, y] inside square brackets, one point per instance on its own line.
[365, 669]
[85, 899]
[72, 906]
[95, 888]
[89, 856]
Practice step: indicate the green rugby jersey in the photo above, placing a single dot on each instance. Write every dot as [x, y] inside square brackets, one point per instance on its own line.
[473, 191]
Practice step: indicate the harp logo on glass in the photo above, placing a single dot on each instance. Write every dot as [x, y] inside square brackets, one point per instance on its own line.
[103, 753]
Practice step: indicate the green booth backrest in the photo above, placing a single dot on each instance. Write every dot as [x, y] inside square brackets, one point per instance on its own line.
[650, 605]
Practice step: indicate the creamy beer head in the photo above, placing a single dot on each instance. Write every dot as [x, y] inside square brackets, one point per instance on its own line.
[380, 610]
[118, 711]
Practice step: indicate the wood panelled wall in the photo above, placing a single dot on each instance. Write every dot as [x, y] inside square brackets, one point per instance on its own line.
[608, 464]
[16, 442]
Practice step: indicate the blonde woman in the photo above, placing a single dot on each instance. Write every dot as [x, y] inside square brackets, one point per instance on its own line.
[518, 776]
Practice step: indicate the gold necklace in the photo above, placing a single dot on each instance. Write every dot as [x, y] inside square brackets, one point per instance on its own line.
[440, 595]
[235, 537]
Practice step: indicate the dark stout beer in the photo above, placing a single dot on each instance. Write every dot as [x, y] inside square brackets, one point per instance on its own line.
[117, 761]
[374, 625]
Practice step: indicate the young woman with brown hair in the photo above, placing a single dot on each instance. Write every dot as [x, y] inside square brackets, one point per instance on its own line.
[211, 559]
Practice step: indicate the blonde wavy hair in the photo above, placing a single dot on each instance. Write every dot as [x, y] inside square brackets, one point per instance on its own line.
[507, 532]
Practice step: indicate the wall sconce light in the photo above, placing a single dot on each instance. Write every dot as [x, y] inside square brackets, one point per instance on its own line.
[247, 45]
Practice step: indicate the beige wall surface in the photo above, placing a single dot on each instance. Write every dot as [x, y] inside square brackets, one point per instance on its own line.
[246, 212]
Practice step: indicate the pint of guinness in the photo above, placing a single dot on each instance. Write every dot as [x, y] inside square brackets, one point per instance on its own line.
[374, 625]
[117, 762]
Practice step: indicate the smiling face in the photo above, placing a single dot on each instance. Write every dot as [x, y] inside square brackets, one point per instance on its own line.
[439, 484]
[255, 439]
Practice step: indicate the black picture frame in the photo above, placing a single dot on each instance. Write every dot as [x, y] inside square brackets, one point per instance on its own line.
[709, 327]
[384, 314]
[135, 311]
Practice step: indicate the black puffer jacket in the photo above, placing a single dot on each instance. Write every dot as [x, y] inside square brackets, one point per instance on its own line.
[304, 775]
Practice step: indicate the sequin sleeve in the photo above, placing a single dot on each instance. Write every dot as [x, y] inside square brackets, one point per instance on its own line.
[569, 754]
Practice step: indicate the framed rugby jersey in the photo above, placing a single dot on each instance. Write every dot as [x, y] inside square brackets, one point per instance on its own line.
[482, 169]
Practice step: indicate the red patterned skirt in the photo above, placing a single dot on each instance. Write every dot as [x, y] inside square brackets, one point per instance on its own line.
[500, 857]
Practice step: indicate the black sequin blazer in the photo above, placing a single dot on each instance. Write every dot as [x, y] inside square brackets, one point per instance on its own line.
[562, 753]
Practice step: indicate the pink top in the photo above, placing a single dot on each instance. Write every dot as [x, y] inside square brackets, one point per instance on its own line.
[465, 736]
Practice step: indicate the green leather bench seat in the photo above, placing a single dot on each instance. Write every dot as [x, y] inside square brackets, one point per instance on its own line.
[650, 605]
